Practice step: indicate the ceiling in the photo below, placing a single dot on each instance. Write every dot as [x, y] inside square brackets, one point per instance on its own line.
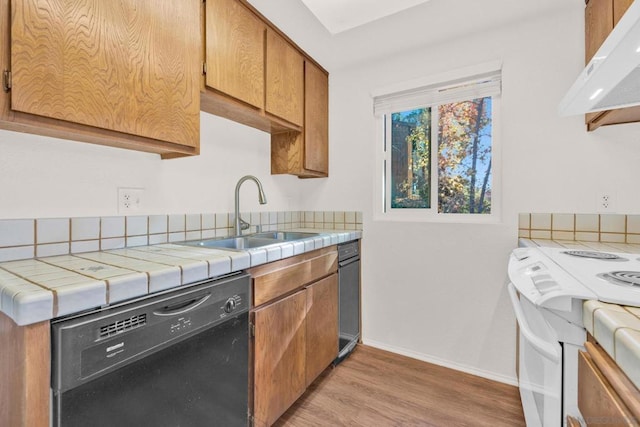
[341, 15]
[417, 26]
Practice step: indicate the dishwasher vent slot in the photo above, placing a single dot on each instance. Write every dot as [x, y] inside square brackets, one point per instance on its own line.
[123, 325]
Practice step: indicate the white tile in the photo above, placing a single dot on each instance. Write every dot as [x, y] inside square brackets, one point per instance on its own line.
[158, 224]
[208, 234]
[117, 243]
[358, 217]
[85, 228]
[274, 253]
[26, 303]
[264, 218]
[627, 353]
[607, 321]
[81, 296]
[17, 232]
[164, 279]
[137, 241]
[137, 225]
[240, 261]
[288, 217]
[52, 249]
[193, 222]
[612, 223]
[85, 246]
[309, 245]
[194, 271]
[328, 217]
[219, 266]
[350, 217]
[524, 220]
[298, 247]
[112, 226]
[541, 221]
[176, 223]
[318, 217]
[273, 218]
[633, 224]
[208, 221]
[281, 218]
[222, 232]
[222, 220]
[177, 237]
[52, 230]
[588, 222]
[258, 256]
[563, 222]
[127, 286]
[155, 239]
[194, 235]
[254, 218]
[287, 250]
[295, 216]
[16, 253]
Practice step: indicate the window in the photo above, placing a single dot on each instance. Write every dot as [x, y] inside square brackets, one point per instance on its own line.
[438, 156]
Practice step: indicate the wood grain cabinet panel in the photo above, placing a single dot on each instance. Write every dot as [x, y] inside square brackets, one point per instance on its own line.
[600, 17]
[322, 326]
[306, 153]
[284, 95]
[127, 66]
[279, 357]
[235, 40]
[597, 401]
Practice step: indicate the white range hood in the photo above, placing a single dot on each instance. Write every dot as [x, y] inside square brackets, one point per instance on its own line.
[612, 78]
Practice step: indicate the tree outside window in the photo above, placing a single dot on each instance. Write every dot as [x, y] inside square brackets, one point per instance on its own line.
[457, 138]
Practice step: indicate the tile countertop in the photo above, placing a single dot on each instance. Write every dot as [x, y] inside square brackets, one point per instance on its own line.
[615, 327]
[39, 289]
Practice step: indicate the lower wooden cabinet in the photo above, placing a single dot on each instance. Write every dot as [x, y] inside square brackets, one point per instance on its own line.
[279, 357]
[605, 395]
[295, 322]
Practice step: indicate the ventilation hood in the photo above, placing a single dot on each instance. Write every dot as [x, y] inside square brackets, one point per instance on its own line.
[612, 78]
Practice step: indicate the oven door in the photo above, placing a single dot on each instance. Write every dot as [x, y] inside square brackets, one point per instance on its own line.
[540, 365]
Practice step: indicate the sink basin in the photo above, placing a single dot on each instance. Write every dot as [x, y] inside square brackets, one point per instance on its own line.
[284, 235]
[246, 242]
[257, 240]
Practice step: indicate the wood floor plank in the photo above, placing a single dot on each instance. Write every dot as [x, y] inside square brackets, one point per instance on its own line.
[377, 388]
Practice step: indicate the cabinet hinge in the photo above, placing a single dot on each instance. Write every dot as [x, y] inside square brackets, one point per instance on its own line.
[204, 68]
[6, 80]
[252, 330]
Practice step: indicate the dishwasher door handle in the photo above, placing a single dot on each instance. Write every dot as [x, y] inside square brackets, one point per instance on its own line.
[182, 307]
[540, 345]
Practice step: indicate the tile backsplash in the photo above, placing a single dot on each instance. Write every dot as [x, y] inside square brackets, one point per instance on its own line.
[29, 238]
[606, 228]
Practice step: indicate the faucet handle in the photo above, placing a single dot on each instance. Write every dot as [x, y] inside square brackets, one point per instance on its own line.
[244, 225]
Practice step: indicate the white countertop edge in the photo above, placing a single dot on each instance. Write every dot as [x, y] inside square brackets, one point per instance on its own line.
[39, 305]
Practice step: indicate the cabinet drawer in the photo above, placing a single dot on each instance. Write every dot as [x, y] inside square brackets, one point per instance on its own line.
[278, 278]
[598, 402]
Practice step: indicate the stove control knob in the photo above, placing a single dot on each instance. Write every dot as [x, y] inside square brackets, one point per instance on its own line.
[230, 305]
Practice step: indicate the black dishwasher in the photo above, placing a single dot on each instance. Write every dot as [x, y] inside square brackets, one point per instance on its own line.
[178, 359]
[349, 298]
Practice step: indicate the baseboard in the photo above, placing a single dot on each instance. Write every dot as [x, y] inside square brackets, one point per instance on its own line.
[441, 362]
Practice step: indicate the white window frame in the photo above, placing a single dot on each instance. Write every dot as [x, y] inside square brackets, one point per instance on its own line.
[382, 185]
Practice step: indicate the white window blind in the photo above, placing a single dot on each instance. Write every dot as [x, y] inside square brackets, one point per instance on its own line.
[478, 86]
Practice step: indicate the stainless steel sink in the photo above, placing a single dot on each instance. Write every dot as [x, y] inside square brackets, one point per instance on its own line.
[245, 242]
[257, 240]
[286, 236]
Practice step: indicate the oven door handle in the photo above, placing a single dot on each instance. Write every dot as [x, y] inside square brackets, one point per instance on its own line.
[540, 345]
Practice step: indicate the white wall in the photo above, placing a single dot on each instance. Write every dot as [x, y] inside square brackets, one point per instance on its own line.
[47, 177]
[437, 291]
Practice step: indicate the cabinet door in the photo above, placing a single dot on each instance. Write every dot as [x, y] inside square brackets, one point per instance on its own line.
[322, 326]
[235, 51]
[316, 120]
[279, 357]
[129, 66]
[598, 19]
[285, 80]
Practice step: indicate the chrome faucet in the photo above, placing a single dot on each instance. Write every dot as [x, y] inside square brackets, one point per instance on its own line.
[239, 224]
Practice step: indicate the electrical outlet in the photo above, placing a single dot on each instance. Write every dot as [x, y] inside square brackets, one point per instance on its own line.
[606, 202]
[129, 200]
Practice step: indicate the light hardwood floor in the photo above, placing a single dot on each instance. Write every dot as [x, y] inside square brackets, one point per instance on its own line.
[375, 388]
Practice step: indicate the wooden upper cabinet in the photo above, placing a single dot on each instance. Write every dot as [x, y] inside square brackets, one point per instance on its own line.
[316, 120]
[600, 17]
[306, 153]
[284, 96]
[235, 40]
[127, 66]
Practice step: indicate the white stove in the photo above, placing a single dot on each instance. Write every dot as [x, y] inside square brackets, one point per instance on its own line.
[548, 287]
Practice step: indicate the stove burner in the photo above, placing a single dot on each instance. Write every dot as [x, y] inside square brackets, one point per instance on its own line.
[603, 256]
[623, 278]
